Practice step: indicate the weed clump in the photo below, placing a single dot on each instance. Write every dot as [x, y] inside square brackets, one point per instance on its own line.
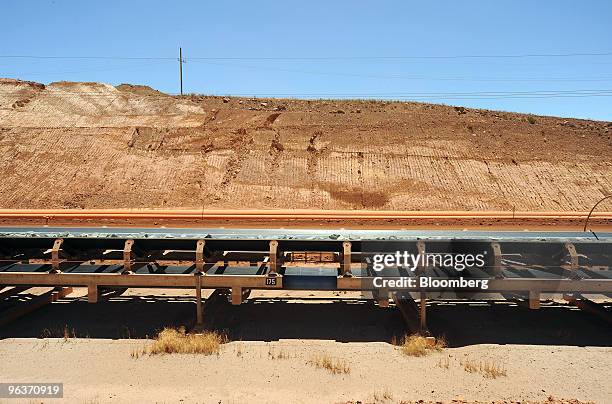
[488, 369]
[170, 340]
[334, 366]
[417, 345]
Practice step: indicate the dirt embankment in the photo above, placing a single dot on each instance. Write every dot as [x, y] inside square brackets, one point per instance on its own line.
[90, 145]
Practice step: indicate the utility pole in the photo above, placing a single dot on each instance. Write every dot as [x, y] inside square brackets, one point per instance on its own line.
[181, 67]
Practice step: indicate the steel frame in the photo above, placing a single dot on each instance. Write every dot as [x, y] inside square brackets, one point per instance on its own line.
[140, 258]
[243, 260]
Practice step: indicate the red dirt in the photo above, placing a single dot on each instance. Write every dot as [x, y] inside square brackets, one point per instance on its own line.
[89, 145]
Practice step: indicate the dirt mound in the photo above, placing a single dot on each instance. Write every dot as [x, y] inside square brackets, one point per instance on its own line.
[138, 89]
[16, 94]
[66, 104]
[6, 84]
[94, 145]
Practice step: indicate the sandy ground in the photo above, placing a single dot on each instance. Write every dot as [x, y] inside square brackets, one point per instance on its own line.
[104, 371]
[89, 145]
[555, 351]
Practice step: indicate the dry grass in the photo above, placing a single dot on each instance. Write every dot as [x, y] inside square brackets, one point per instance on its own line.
[383, 396]
[273, 354]
[488, 369]
[239, 352]
[171, 340]
[444, 363]
[417, 345]
[138, 352]
[68, 333]
[334, 366]
[44, 345]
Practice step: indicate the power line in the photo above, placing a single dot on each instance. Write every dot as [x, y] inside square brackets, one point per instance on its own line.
[348, 57]
[80, 71]
[86, 57]
[210, 60]
[418, 77]
[366, 75]
[445, 96]
[476, 95]
[58, 91]
[534, 55]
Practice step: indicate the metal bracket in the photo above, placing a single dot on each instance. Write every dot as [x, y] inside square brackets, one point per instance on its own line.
[346, 259]
[497, 259]
[55, 259]
[571, 250]
[127, 256]
[421, 250]
[199, 262]
[273, 258]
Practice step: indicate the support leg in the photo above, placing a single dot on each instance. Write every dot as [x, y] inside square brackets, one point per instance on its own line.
[382, 296]
[199, 310]
[423, 312]
[237, 296]
[534, 300]
[589, 306]
[273, 259]
[60, 293]
[92, 293]
[410, 312]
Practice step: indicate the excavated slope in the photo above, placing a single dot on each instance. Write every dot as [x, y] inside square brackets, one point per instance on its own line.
[91, 145]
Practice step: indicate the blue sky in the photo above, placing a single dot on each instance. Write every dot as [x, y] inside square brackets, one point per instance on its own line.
[327, 29]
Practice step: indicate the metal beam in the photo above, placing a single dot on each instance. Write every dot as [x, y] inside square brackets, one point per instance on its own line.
[139, 280]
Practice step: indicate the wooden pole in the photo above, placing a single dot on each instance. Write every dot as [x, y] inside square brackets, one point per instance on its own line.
[181, 67]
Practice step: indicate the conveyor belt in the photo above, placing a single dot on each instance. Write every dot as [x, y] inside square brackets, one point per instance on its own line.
[244, 258]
